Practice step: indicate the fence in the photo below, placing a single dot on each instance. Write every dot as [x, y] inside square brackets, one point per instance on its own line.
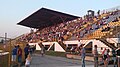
[5, 54]
[111, 9]
[4, 62]
[6, 45]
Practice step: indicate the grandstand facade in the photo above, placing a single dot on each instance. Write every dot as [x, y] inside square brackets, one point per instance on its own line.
[68, 31]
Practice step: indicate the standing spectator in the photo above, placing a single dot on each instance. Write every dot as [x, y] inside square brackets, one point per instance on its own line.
[101, 50]
[42, 50]
[34, 48]
[101, 54]
[118, 56]
[19, 54]
[14, 54]
[30, 50]
[95, 53]
[26, 50]
[104, 53]
[114, 56]
[108, 57]
[79, 43]
[98, 12]
[83, 55]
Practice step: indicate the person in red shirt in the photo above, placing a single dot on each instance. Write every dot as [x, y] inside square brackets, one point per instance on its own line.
[19, 54]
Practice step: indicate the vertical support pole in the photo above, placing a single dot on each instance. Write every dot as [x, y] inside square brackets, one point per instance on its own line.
[5, 38]
[9, 64]
[5, 41]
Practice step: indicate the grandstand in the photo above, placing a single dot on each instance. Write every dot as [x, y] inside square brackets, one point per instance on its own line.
[65, 31]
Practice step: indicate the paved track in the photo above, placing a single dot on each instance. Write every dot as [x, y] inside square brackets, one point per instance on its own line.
[51, 61]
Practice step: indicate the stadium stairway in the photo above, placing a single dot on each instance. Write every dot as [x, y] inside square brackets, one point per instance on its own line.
[62, 45]
[101, 36]
[111, 45]
[115, 30]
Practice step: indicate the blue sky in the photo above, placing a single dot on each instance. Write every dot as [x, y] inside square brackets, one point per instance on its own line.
[13, 11]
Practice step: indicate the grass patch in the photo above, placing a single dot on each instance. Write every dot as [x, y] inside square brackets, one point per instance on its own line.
[53, 53]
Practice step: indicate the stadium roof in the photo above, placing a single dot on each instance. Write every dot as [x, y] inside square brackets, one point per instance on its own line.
[46, 17]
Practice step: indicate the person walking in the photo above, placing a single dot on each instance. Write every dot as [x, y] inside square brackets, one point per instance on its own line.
[95, 54]
[83, 55]
[42, 50]
[114, 56]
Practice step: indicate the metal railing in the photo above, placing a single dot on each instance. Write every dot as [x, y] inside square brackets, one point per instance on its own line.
[111, 9]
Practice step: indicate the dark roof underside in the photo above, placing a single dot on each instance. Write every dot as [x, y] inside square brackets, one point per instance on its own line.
[46, 17]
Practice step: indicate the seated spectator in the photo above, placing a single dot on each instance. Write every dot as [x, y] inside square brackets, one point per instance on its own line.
[106, 29]
[96, 27]
[105, 22]
[116, 20]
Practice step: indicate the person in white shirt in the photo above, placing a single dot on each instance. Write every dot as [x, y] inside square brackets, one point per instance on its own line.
[28, 60]
[79, 43]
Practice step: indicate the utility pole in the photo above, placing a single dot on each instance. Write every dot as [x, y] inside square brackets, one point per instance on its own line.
[5, 42]
[5, 38]
[10, 54]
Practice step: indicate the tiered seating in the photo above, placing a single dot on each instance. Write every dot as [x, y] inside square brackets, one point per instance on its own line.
[64, 29]
[70, 29]
[99, 34]
[89, 25]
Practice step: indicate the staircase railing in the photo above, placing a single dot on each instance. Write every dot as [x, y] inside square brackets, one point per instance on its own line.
[62, 45]
[107, 43]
